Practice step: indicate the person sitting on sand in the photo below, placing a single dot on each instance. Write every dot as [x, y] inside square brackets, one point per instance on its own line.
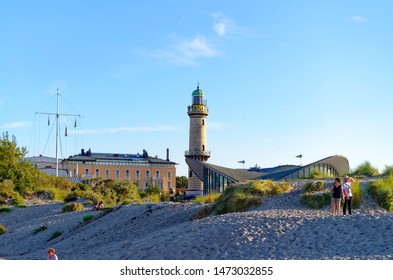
[347, 194]
[51, 255]
[336, 192]
[99, 206]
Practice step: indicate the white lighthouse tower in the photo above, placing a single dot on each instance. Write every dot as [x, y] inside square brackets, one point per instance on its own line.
[197, 112]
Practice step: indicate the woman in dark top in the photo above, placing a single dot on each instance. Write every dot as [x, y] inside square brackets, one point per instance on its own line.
[336, 192]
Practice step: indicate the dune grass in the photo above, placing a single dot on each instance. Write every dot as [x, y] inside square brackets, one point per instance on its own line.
[356, 194]
[316, 200]
[5, 209]
[55, 235]
[2, 229]
[242, 196]
[40, 229]
[72, 207]
[365, 169]
[314, 186]
[315, 195]
[87, 218]
[208, 198]
[388, 171]
[382, 192]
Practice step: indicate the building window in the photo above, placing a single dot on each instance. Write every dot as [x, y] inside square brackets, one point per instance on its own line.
[117, 174]
[87, 171]
[97, 173]
[127, 174]
[137, 175]
[157, 173]
[147, 178]
[107, 174]
[169, 175]
[76, 175]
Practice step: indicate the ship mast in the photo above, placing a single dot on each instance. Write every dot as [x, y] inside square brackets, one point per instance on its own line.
[57, 114]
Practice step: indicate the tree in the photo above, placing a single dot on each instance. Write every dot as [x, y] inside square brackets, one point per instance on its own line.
[13, 168]
[181, 182]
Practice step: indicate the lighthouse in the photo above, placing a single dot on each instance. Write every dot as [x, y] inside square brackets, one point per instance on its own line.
[197, 112]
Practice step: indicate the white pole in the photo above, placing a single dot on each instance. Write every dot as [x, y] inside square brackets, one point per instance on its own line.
[57, 135]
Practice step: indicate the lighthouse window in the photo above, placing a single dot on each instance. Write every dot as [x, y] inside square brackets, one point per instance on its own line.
[203, 122]
[203, 147]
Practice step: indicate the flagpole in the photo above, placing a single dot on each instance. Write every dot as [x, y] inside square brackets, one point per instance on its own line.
[57, 135]
[57, 114]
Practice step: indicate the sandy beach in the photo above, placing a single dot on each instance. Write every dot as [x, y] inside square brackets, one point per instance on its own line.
[280, 228]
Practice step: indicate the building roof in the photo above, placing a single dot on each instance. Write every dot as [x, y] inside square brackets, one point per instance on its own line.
[41, 159]
[234, 174]
[93, 157]
[340, 163]
[198, 92]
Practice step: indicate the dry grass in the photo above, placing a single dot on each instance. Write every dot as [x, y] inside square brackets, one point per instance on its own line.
[242, 196]
[72, 207]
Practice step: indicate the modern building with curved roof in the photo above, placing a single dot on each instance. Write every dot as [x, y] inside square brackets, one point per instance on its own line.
[216, 178]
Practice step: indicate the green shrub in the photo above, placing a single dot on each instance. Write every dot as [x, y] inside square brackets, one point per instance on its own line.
[39, 229]
[72, 207]
[73, 196]
[315, 186]
[382, 192]
[2, 201]
[241, 196]
[316, 200]
[5, 209]
[357, 194]
[365, 169]
[55, 235]
[204, 212]
[17, 200]
[87, 218]
[388, 171]
[317, 174]
[2, 229]
[7, 189]
[208, 198]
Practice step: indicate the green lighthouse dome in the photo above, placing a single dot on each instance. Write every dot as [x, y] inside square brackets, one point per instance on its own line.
[198, 92]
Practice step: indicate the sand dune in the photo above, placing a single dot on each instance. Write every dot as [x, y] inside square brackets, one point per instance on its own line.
[280, 228]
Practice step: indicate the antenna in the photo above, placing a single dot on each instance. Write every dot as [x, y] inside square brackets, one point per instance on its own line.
[57, 114]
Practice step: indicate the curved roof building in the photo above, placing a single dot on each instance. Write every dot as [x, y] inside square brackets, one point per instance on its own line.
[216, 178]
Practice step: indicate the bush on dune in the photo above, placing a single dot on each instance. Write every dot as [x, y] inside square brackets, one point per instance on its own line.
[315, 195]
[365, 169]
[242, 196]
[2, 229]
[72, 207]
[207, 198]
[315, 186]
[382, 192]
[315, 200]
[357, 194]
[388, 171]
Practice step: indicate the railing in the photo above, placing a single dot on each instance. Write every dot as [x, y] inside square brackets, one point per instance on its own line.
[197, 153]
[197, 108]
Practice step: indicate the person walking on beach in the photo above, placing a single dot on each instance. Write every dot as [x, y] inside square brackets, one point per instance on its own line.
[336, 192]
[51, 255]
[347, 194]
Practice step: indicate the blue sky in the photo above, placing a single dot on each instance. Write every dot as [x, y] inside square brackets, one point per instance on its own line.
[281, 78]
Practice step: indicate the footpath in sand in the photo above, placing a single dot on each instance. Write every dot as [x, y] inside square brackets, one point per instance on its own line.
[280, 228]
